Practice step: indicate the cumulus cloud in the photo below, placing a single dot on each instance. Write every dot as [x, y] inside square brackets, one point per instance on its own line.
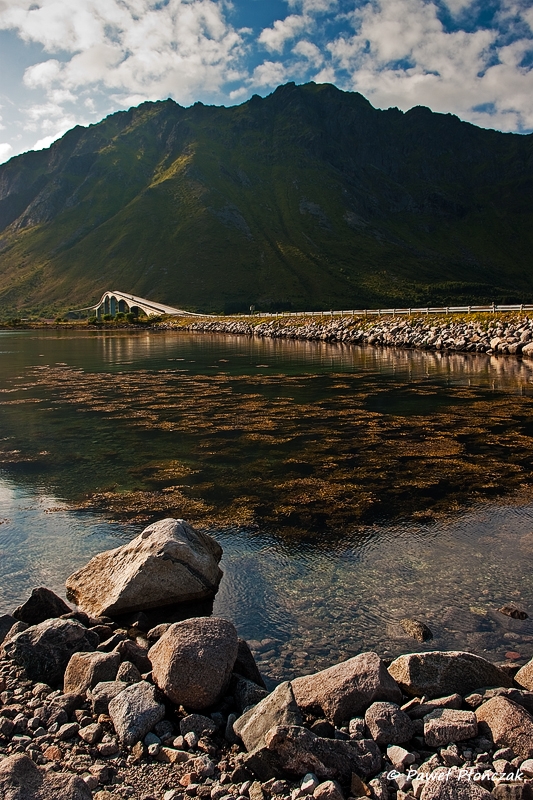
[274, 38]
[400, 54]
[148, 48]
[5, 151]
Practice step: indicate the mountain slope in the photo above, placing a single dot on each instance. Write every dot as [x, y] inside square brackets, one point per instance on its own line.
[307, 198]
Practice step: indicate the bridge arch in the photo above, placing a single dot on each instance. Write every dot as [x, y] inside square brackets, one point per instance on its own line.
[113, 301]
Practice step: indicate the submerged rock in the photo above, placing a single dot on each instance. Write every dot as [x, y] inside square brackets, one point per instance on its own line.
[418, 630]
[168, 563]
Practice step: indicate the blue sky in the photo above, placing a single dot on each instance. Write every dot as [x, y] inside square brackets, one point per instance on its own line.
[68, 62]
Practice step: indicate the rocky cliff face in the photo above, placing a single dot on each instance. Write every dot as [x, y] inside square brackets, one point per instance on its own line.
[309, 197]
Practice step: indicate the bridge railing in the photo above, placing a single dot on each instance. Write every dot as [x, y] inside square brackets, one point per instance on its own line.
[385, 312]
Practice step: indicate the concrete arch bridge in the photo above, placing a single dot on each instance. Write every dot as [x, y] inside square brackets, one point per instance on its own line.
[114, 302]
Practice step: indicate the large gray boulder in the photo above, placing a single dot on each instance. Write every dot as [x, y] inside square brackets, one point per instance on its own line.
[192, 662]
[85, 670]
[510, 725]
[278, 709]
[44, 650]
[21, 779]
[135, 711]
[168, 563]
[346, 689]
[437, 673]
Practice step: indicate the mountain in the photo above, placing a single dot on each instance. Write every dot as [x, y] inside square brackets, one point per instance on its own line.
[308, 198]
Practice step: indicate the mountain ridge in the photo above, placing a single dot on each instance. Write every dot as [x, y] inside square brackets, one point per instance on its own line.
[308, 198]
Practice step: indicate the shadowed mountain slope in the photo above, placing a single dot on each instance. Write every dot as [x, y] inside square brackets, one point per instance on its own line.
[308, 198]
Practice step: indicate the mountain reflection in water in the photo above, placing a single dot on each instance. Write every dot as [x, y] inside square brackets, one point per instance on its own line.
[349, 487]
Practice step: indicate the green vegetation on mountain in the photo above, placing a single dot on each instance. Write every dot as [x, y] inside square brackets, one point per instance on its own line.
[308, 198]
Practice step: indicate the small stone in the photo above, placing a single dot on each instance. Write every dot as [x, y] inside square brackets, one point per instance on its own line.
[359, 788]
[197, 724]
[329, 790]
[309, 783]
[255, 792]
[192, 740]
[108, 748]
[53, 753]
[135, 711]
[450, 756]
[128, 673]
[527, 767]
[67, 731]
[91, 733]
[399, 757]
[356, 728]
[167, 755]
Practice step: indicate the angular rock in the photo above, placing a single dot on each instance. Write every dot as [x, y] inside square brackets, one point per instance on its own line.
[300, 752]
[6, 623]
[192, 662]
[44, 650]
[168, 563]
[328, 790]
[388, 724]
[524, 676]
[135, 711]
[446, 725]
[21, 779]
[279, 708]
[344, 690]
[103, 693]
[510, 725]
[245, 665]
[85, 670]
[438, 673]
[128, 673]
[42, 604]
[245, 692]
[423, 709]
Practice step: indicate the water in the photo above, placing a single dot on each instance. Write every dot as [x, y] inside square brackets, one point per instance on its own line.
[349, 487]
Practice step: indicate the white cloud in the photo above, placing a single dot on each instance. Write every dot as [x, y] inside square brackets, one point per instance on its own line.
[309, 51]
[269, 73]
[401, 55]
[282, 31]
[313, 6]
[5, 151]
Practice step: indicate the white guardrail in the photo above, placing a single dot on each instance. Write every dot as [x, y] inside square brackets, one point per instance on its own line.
[382, 312]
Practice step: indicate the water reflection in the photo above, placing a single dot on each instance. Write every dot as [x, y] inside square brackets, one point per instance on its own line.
[343, 482]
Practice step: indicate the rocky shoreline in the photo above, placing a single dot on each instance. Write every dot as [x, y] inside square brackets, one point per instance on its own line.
[500, 335]
[107, 706]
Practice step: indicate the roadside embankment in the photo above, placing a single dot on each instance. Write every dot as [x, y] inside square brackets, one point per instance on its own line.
[503, 334]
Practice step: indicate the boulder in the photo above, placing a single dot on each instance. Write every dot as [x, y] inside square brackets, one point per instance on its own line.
[278, 709]
[446, 725]
[438, 673]
[44, 650]
[168, 563]
[135, 711]
[21, 779]
[346, 689]
[6, 623]
[418, 630]
[42, 604]
[85, 670]
[388, 724]
[524, 676]
[192, 662]
[510, 725]
[300, 751]
[103, 693]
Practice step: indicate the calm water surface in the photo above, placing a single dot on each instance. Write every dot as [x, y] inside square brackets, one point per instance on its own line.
[348, 487]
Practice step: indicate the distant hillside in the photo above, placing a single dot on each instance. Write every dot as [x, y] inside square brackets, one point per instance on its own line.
[308, 198]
